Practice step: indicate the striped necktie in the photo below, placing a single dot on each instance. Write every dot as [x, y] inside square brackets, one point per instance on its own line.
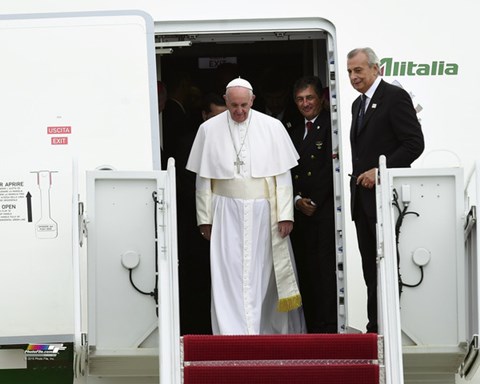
[361, 113]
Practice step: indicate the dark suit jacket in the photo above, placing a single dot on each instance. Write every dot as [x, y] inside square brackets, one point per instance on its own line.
[313, 176]
[178, 134]
[391, 128]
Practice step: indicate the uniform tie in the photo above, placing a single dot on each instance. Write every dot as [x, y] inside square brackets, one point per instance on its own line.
[309, 126]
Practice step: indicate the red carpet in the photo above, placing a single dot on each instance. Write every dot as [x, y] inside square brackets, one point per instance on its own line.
[289, 359]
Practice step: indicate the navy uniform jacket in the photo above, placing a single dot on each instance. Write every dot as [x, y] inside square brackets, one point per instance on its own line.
[313, 176]
[391, 128]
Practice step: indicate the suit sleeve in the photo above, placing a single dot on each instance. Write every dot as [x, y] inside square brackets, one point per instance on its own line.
[403, 119]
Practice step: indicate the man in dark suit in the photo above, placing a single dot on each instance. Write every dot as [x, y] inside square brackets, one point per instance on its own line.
[384, 122]
[179, 130]
[313, 237]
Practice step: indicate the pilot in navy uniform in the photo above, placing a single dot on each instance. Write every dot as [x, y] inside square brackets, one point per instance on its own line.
[313, 236]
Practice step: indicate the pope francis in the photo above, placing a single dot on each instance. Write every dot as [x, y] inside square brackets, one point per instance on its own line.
[244, 202]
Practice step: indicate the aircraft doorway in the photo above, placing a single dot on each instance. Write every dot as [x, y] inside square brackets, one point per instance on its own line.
[192, 65]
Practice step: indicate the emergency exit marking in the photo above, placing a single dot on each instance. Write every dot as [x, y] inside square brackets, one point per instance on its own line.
[59, 140]
[64, 130]
[59, 130]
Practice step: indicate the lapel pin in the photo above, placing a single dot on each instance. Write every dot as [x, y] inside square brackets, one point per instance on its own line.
[374, 106]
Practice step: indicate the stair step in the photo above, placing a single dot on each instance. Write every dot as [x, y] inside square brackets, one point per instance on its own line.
[289, 374]
[281, 359]
[281, 347]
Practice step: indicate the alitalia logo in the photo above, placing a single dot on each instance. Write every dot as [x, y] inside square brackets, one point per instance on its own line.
[390, 67]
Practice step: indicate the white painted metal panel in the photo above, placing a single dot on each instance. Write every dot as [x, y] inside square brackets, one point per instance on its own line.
[426, 218]
[132, 274]
[78, 91]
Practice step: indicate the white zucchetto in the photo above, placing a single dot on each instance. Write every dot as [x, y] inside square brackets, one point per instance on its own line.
[239, 83]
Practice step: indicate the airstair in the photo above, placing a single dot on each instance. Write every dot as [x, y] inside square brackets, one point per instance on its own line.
[428, 325]
[426, 330]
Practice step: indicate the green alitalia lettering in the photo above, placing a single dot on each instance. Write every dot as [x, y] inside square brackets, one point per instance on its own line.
[390, 67]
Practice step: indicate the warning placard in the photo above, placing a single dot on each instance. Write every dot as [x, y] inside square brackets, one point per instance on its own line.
[12, 201]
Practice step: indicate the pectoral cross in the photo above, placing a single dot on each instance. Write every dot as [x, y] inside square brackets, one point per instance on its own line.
[238, 163]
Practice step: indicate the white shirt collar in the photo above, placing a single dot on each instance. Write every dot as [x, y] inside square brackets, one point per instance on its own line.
[373, 88]
[312, 120]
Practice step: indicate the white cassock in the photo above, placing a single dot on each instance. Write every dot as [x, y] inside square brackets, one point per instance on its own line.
[243, 170]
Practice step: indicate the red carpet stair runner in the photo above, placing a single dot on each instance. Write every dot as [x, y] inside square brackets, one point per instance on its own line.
[282, 359]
